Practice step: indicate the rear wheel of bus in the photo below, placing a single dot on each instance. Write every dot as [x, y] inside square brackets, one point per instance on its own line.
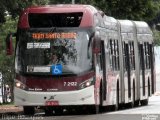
[48, 111]
[94, 109]
[28, 110]
[116, 106]
[144, 102]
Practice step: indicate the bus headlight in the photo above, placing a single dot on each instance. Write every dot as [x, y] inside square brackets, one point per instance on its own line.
[86, 83]
[20, 85]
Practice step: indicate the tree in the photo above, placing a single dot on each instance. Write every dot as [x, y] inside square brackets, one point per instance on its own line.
[15, 7]
[120, 9]
[129, 9]
[7, 62]
[156, 35]
[60, 1]
[2, 11]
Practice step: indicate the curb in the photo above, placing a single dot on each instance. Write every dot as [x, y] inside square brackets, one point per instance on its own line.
[157, 94]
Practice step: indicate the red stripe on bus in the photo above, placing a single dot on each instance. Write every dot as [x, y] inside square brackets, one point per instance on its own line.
[51, 83]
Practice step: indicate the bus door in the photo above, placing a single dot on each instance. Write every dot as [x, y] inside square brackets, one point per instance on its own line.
[142, 66]
[152, 62]
[127, 65]
[103, 66]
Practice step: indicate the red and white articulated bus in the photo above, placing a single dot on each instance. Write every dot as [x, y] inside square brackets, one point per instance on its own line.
[74, 56]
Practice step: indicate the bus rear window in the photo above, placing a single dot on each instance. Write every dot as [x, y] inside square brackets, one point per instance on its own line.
[47, 20]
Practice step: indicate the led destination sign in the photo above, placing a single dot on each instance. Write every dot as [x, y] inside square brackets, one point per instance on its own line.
[69, 35]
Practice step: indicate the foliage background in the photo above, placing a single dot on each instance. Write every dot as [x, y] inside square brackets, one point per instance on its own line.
[146, 10]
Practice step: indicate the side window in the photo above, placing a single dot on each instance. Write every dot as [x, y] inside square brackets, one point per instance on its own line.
[150, 54]
[125, 54]
[114, 54]
[128, 55]
[110, 53]
[141, 55]
[147, 55]
[116, 49]
[131, 55]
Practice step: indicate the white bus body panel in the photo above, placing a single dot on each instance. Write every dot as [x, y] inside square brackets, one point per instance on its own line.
[144, 34]
[78, 97]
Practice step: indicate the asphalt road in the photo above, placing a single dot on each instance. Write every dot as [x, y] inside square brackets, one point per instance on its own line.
[149, 112]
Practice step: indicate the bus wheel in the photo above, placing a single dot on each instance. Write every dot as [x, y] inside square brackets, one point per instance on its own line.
[116, 106]
[133, 97]
[58, 111]
[136, 103]
[48, 111]
[28, 110]
[144, 102]
[94, 109]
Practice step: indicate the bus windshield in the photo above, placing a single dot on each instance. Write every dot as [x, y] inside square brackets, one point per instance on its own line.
[45, 51]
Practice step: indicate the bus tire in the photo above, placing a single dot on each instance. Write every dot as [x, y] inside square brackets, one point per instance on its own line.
[48, 112]
[136, 103]
[116, 106]
[28, 110]
[58, 111]
[94, 109]
[149, 89]
[144, 102]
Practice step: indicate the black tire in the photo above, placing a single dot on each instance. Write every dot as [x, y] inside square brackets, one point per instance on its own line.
[116, 106]
[94, 109]
[136, 103]
[149, 90]
[81, 110]
[144, 102]
[102, 95]
[133, 103]
[133, 97]
[58, 111]
[48, 112]
[28, 110]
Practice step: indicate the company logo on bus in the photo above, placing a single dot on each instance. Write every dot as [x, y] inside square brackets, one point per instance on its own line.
[69, 35]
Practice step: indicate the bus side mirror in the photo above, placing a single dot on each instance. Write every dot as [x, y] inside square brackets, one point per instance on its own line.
[9, 44]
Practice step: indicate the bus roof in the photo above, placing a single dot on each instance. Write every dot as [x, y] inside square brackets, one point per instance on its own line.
[144, 32]
[142, 27]
[110, 22]
[87, 10]
[127, 26]
[61, 8]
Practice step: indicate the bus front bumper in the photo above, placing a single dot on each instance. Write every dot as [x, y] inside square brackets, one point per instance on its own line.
[32, 98]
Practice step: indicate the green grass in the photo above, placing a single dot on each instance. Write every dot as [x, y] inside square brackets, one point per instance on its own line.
[10, 103]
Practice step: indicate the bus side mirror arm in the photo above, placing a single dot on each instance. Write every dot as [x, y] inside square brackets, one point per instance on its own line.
[9, 43]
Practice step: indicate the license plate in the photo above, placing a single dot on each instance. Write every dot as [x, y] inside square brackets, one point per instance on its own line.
[52, 103]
